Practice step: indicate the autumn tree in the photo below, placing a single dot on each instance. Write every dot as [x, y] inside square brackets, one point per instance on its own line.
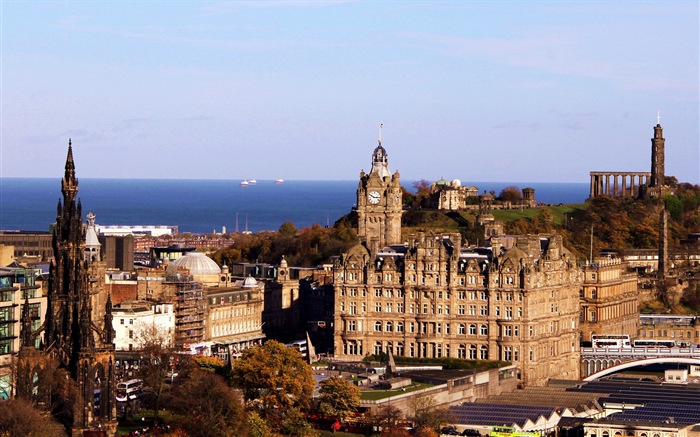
[274, 379]
[19, 418]
[157, 363]
[389, 418]
[339, 398]
[511, 194]
[209, 407]
[427, 414]
[423, 189]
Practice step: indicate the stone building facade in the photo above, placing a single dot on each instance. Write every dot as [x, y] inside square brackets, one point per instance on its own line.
[516, 299]
[451, 196]
[684, 330]
[379, 203]
[234, 317]
[609, 299]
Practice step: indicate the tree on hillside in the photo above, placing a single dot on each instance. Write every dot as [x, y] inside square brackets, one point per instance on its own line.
[422, 194]
[287, 229]
[339, 398]
[274, 378]
[510, 193]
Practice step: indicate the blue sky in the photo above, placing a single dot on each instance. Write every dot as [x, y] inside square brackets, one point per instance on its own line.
[481, 91]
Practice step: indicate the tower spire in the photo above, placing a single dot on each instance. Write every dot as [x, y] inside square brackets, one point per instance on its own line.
[69, 185]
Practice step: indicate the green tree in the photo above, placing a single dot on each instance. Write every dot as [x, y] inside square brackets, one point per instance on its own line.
[274, 378]
[339, 398]
[257, 426]
[674, 206]
[287, 229]
[294, 424]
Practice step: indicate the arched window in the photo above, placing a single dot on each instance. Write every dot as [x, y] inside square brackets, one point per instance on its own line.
[484, 330]
[484, 352]
[462, 352]
[377, 348]
[462, 329]
[399, 326]
[378, 326]
[472, 329]
[472, 352]
[389, 327]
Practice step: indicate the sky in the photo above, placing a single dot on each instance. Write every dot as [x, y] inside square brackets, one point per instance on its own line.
[505, 91]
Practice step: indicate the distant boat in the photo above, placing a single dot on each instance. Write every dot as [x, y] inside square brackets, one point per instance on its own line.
[252, 181]
[279, 181]
[245, 183]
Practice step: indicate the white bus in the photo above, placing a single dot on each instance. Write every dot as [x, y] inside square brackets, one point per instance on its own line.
[299, 345]
[654, 343]
[610, 340]
[129, 390]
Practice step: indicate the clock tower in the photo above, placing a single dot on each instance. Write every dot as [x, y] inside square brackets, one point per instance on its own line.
[379, 204]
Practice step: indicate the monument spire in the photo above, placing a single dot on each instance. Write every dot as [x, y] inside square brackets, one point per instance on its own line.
[69, 184]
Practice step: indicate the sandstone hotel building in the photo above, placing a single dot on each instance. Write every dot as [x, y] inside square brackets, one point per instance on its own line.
[515, 299]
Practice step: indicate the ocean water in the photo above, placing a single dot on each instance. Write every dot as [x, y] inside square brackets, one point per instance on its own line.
[202, 206]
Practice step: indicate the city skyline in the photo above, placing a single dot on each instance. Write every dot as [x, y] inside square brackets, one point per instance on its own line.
[481, 91]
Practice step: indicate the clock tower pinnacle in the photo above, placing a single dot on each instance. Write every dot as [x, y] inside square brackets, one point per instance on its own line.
[379, 203]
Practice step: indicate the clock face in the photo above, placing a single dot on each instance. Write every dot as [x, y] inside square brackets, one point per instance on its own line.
[374, 197]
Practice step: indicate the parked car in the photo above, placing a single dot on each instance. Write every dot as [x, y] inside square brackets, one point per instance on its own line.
[449, 430]
[471, 433]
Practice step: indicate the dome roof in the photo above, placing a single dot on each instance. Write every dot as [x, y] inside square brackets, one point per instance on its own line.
[456, 183]
[198, 264]
[441, 181]
[250, 282]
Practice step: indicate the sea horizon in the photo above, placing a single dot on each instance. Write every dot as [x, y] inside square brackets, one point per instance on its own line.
[208, 205]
